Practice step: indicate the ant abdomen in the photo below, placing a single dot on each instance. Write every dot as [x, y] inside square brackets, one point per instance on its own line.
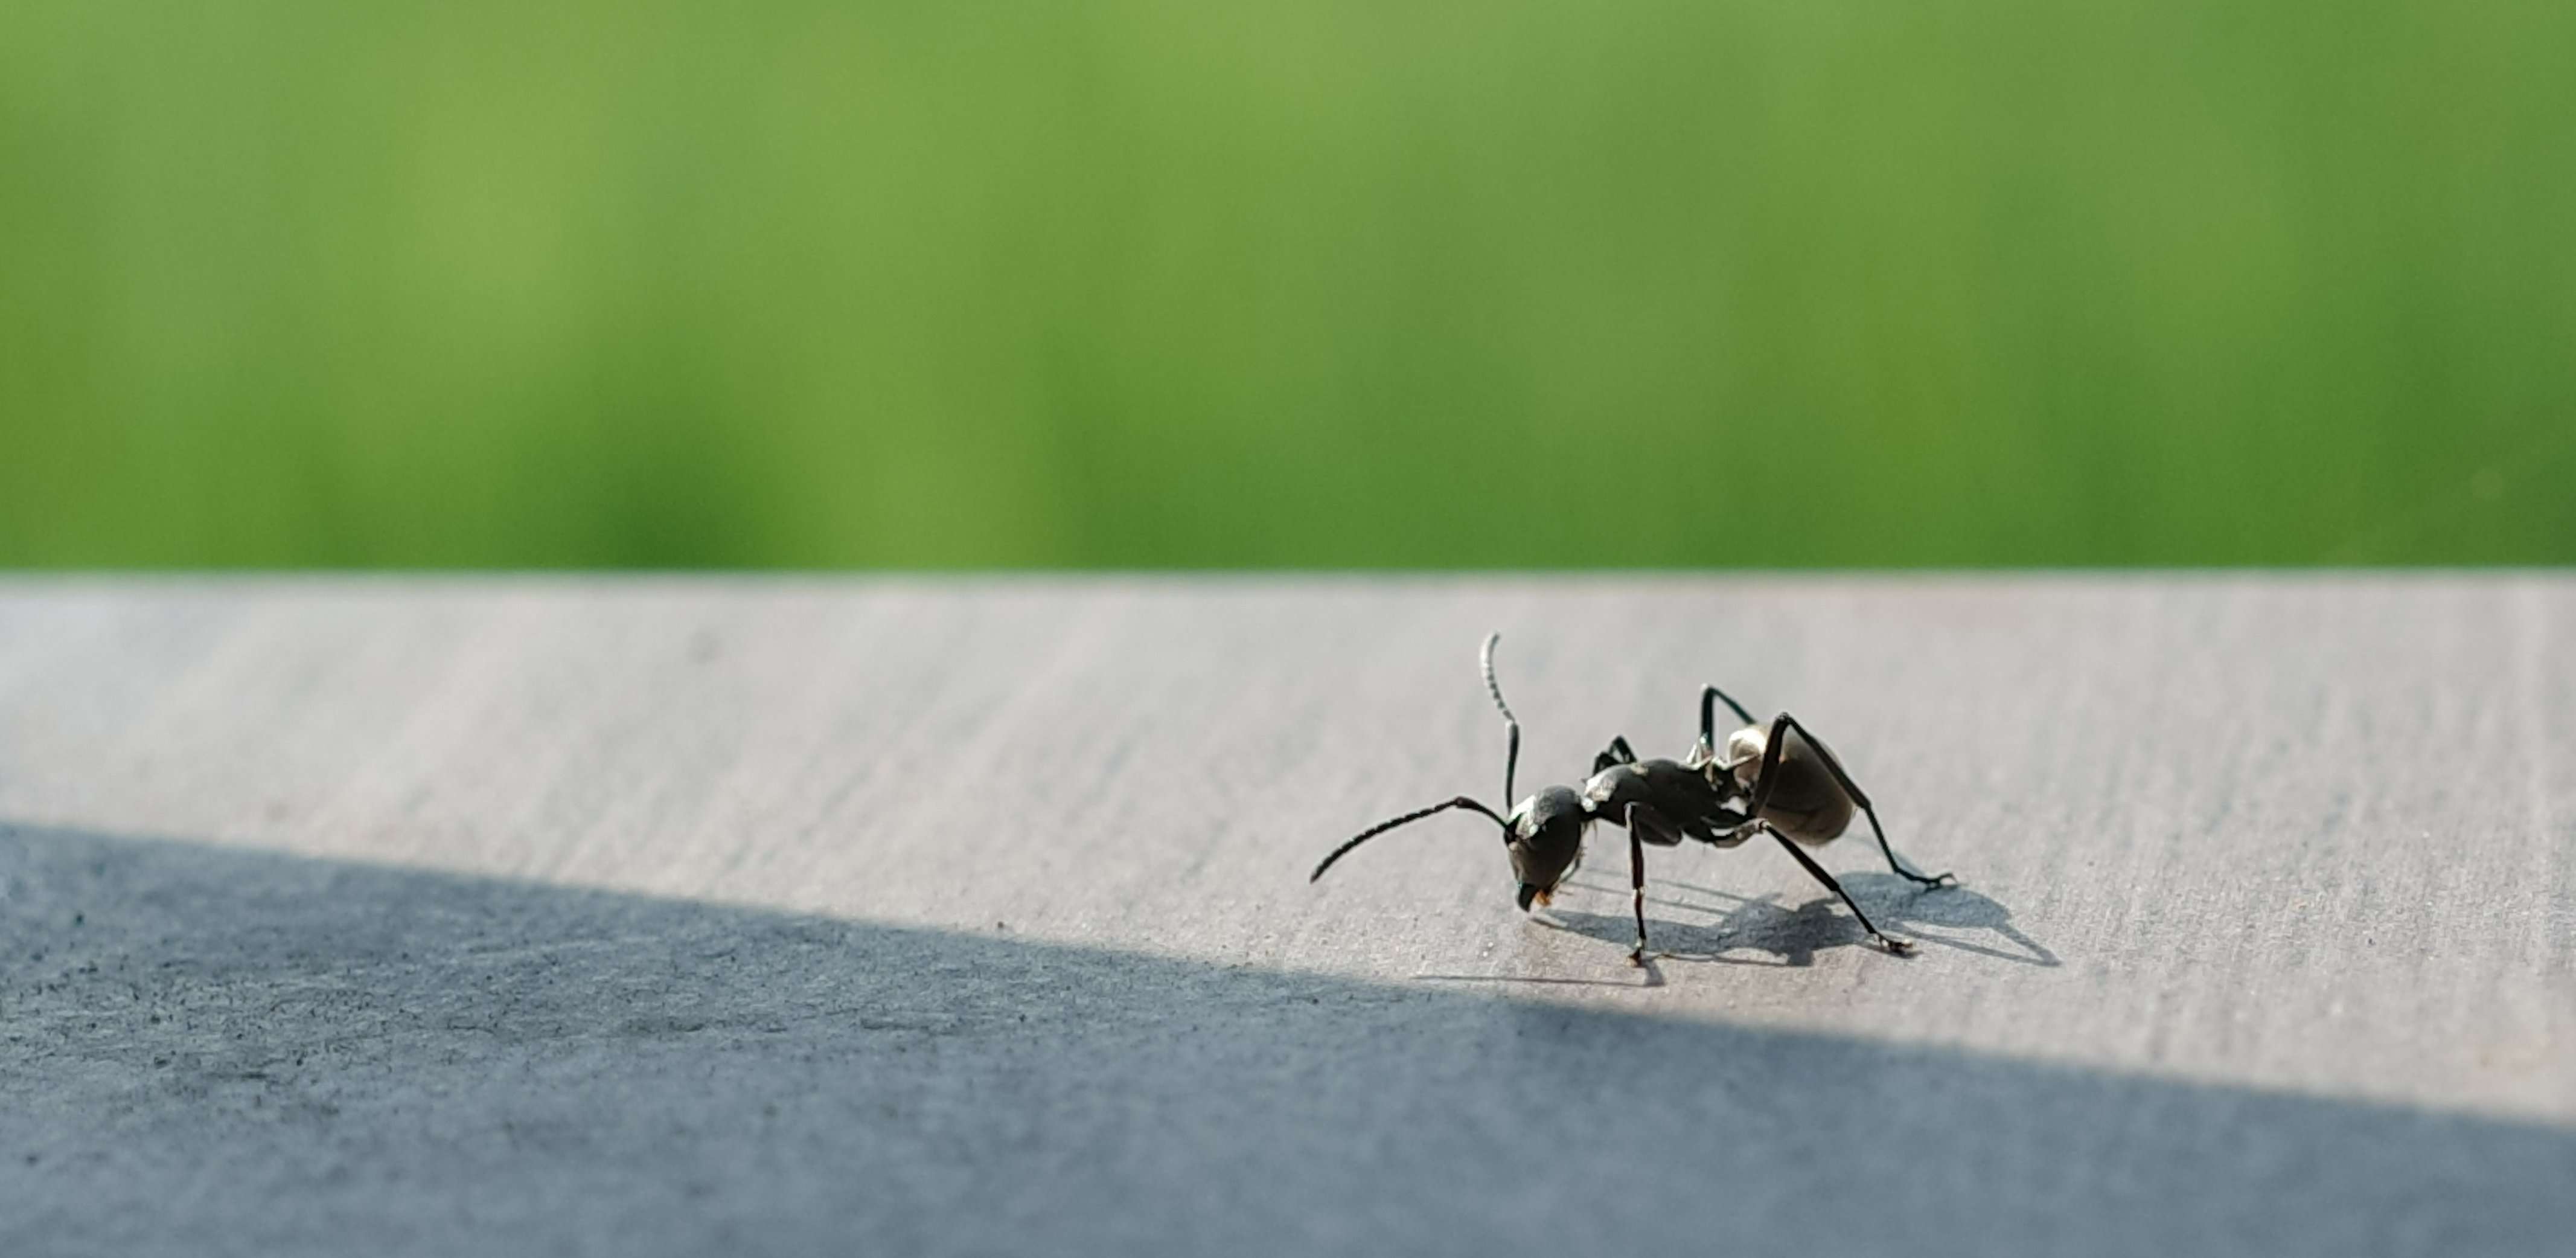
[1805, 802]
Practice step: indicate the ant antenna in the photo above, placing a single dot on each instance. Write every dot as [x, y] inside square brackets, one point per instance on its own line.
[1384, 826]
[1511, 758]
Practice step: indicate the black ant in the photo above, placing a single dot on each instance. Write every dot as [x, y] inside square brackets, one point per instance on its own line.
[1767, 783]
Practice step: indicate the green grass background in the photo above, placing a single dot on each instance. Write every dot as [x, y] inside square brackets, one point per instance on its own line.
[1365, 283]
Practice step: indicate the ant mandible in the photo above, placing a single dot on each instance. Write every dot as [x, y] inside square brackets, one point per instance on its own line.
[1768, 782]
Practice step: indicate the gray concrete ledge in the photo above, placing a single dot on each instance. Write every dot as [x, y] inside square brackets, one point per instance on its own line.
[969, 916]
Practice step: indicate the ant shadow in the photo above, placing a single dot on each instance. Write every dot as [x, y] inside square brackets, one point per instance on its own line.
[1792, 936]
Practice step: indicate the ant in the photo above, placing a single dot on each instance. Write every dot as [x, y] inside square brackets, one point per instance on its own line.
[1792, 789]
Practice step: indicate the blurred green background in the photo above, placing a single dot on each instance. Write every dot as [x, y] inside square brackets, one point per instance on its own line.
[1166, 283]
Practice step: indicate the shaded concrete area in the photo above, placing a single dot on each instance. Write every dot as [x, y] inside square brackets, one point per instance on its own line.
[214, 1050]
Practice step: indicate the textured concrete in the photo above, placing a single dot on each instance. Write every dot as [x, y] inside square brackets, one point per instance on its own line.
[671, 916]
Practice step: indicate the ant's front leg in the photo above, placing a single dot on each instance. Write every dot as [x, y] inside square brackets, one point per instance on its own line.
[1642, 821]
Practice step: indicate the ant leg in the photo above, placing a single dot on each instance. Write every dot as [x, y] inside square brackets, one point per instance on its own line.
[1615, 754]
[1641, 819]
[1637, 887]
[1852, 789]
[1896, 946]
[1723, 828]
[1709, 696]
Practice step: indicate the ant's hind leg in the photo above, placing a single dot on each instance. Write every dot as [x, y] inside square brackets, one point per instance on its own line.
[1709, 697]
[1852, 789]
[1897, 946]
[1616, 753]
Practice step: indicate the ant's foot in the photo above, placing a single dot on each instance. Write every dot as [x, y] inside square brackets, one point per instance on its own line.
[1897, 947]
[1935, 880]
[1637, 956]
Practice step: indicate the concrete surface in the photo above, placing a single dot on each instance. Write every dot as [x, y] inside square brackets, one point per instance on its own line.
[949, 916]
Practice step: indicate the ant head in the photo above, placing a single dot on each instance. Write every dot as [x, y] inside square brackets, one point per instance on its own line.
[1545, 839]
[1544, 835]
